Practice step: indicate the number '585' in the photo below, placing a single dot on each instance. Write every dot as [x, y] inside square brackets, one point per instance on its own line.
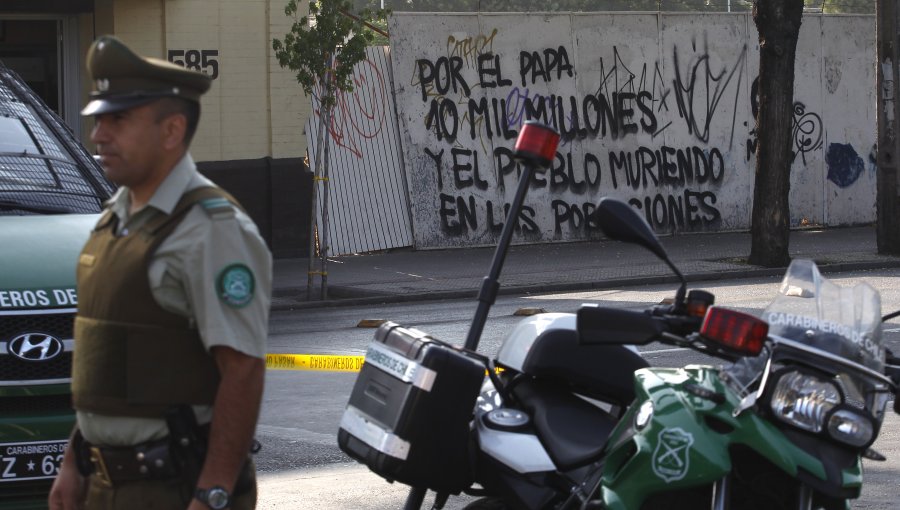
[198, 60]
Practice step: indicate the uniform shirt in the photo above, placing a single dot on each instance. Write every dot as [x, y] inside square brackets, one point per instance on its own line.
[183, 276]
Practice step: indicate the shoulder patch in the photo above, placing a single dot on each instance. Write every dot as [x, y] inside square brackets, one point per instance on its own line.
[218, 208]
[235, 285]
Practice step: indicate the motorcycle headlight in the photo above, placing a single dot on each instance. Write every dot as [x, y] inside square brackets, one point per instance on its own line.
[804, 400]
[851, 427]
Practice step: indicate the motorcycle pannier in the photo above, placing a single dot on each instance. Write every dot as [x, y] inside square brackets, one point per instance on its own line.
[409, 413]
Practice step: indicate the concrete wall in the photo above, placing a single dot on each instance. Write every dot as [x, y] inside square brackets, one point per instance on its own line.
[656, 109]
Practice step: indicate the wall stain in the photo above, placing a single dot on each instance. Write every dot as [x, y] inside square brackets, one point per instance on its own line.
[832, 74]
[844, 164]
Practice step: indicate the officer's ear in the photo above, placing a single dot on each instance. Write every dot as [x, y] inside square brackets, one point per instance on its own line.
[174, 130]
[171, 114]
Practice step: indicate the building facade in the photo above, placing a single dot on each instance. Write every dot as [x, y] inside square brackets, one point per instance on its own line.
[255, 109]
[250, 139]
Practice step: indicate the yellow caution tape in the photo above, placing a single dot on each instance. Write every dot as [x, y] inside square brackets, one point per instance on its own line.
[319, 362]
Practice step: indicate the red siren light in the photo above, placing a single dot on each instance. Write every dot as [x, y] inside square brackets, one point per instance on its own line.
[735, 330]
[537, 143]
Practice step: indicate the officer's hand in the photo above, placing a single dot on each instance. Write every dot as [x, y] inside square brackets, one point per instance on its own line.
[69, 487]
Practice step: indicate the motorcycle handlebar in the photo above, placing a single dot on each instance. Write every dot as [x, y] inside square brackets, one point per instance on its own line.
[599, 325]
[603, 325]
[662, 310]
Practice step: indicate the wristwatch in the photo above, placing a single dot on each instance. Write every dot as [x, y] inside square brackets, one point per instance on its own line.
[215, 497]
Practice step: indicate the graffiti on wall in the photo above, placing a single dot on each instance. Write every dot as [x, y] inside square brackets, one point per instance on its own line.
[666, 127]
[457, 116]
[359, 115]
[807, 132]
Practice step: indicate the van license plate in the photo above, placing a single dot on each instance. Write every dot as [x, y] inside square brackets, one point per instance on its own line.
[33, 460]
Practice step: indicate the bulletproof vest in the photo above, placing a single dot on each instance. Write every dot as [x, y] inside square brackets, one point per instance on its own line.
[132, 357]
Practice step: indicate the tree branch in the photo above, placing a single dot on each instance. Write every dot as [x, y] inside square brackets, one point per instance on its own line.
[364, 22]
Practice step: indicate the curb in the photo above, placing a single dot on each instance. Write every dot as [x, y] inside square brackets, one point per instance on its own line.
[364, 298]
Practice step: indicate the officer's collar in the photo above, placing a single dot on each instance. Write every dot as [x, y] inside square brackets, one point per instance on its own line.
[166, 196]
[118, 203]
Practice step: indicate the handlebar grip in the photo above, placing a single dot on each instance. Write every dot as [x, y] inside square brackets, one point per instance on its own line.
[598, 325]
[662, 310]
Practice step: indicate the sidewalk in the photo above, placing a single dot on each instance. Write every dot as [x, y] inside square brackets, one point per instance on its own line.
[406, 275]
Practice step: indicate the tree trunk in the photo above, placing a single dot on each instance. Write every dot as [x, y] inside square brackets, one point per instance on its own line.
[887, 204]
[778, 23]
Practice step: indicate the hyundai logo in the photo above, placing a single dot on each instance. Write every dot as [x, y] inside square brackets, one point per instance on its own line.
[35, 347]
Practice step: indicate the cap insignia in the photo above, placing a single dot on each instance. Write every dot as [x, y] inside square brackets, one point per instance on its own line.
[102, 84]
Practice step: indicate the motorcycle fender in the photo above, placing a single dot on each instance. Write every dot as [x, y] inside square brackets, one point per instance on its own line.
[687, 442]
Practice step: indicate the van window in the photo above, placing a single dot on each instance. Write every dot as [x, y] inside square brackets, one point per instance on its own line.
[43, 169]
[14, 137]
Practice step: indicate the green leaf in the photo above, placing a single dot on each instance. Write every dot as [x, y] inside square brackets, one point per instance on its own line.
[306, 49]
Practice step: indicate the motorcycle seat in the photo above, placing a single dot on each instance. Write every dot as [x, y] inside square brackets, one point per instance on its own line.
[573, 430]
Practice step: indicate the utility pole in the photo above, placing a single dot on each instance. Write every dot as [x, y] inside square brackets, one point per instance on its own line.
[887, 199]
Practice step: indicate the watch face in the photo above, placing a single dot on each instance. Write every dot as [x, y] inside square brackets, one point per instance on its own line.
[217, 498]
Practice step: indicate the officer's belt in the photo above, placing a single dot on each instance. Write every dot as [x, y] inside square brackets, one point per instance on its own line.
[152, 460]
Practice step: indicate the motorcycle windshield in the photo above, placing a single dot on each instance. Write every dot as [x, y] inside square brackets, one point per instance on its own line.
[844, 321]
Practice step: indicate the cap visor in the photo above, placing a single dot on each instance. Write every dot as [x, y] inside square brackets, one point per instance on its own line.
[112, 105]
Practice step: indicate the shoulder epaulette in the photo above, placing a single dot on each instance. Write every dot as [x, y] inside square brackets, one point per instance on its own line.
[218, 208]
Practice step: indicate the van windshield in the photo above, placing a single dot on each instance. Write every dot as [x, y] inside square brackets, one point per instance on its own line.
[43, 168]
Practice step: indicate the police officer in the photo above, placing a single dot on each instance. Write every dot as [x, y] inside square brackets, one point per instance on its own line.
[174, 287]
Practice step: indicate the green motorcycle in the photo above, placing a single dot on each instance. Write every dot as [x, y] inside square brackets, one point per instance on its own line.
[785, 426]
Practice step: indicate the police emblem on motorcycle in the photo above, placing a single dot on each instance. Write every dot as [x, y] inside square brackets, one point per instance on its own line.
[671, 457]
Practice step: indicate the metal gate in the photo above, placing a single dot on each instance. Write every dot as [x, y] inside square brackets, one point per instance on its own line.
[368, 206]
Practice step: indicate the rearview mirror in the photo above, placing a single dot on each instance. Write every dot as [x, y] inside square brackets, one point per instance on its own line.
[621, 222]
